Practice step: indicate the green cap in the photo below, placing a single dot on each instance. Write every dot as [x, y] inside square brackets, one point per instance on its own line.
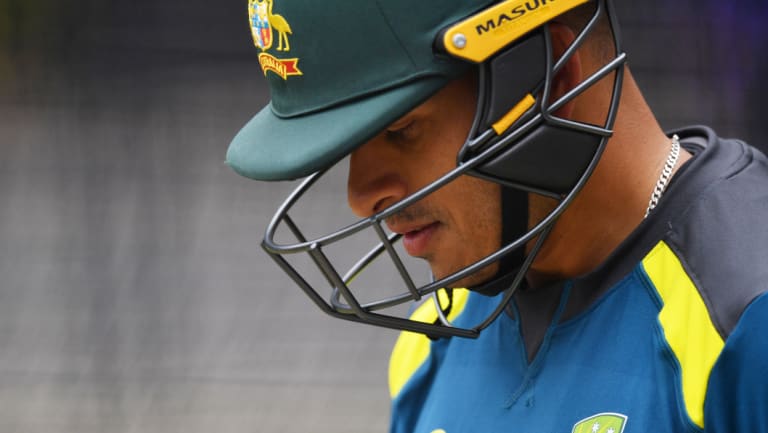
[339, 72]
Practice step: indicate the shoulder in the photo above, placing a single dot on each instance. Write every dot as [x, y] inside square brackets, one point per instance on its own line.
[711, 273]
[738, 390]
[721, 235]
[412, 350]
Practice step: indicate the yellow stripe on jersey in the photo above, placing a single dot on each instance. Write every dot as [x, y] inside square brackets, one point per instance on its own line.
[687, 326]
[412, 349]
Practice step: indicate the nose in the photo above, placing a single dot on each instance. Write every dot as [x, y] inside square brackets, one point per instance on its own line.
[376, 179]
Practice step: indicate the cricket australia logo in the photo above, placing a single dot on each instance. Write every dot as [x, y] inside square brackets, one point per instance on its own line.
[264, 25]
[601, 423]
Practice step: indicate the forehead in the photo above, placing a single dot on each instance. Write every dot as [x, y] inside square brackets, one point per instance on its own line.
[458, 96]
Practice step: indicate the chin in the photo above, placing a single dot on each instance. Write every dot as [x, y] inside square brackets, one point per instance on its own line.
[482, 276]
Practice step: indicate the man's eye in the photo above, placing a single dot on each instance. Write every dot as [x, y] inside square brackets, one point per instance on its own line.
[404, 133]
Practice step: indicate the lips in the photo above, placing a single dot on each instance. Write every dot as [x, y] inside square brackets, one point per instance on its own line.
[416, 239]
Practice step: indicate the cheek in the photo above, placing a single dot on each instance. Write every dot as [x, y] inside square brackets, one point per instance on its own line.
[478, 216]
[421, 175]
[473, 228]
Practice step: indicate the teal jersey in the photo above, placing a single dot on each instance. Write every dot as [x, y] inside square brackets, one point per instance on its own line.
[668, 335]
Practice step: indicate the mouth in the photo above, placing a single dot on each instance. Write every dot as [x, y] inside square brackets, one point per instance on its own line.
[416, 240]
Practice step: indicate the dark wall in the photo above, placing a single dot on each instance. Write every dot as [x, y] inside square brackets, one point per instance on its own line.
[701, 62]
[698, 61]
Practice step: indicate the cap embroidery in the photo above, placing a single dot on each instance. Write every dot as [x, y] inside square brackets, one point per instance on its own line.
[263, 25]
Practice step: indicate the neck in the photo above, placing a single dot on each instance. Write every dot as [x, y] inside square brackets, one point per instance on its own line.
[613, 202]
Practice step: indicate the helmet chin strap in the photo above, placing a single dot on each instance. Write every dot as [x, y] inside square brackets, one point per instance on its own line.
[514, 217]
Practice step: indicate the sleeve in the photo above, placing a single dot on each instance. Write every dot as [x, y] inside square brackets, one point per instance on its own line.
[737, 395]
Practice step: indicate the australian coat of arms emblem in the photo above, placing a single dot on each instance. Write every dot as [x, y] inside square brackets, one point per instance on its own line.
[264, 25]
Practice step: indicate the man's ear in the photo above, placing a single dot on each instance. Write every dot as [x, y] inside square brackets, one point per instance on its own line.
[570, 74]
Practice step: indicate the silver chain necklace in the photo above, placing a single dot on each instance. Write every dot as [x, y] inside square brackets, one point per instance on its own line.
[666, 173]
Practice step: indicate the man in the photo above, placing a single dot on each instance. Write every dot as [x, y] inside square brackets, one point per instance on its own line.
[615, 274]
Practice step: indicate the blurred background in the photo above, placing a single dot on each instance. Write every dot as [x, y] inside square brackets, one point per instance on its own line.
[133, 294]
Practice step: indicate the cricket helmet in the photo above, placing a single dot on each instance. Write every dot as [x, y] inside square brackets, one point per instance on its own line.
[339, 72]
